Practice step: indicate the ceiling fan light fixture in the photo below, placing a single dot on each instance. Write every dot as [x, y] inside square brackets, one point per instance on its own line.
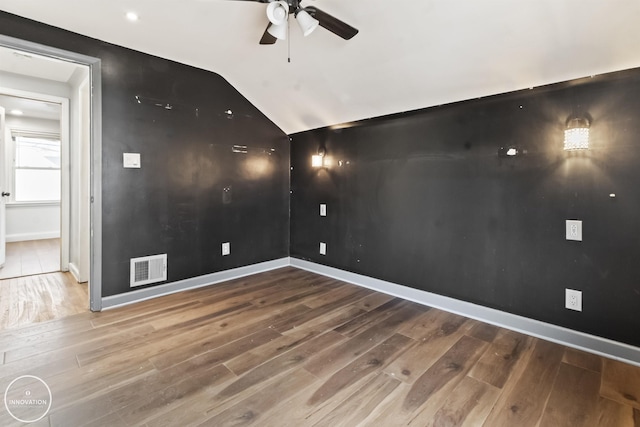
[307, 22]
[278, 31]
[278, 12]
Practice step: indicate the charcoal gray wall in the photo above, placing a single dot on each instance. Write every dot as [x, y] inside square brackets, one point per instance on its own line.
[174, 203]
[423, 199]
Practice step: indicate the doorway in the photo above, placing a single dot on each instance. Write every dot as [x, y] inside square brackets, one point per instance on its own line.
[80, 162]
[34, 141]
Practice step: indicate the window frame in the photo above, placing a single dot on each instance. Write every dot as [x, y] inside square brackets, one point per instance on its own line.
[12, 168]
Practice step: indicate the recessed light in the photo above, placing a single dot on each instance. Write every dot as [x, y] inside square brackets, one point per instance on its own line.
[132, 16]
[16, 112]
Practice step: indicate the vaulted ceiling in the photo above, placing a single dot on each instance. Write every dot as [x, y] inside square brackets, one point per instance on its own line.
[407, 55]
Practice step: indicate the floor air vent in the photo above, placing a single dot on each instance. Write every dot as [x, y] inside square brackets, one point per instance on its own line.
[148, 269]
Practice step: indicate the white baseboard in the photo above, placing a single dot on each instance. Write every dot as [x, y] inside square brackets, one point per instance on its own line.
[568, 337]
[23, 237]
[192, 283]
[564, 336]
[73, 269]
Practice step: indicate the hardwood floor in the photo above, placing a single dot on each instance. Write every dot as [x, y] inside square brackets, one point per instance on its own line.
[31, 257]
[38, 298]
[291, 348]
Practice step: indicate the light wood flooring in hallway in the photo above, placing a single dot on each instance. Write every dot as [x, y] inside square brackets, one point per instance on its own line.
[39, 298]
[291, 348]
[31, 257]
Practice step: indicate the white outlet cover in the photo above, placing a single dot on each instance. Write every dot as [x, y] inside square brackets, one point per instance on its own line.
[131, 160]
[573, 299]
[323, 248]
[574, 230]
[226, 248]
[323, 209]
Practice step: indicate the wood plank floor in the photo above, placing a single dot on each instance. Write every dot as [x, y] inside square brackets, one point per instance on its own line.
[31, 257]
[291, 348]
[38, 298]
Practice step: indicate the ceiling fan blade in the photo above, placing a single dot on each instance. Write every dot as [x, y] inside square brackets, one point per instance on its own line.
[268, 38]
[333, 24]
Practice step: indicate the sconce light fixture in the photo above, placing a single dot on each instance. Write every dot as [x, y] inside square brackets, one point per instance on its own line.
[576, 134]
[318, 160]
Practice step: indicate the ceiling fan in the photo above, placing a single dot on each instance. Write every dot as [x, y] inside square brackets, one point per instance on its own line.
[309, 18]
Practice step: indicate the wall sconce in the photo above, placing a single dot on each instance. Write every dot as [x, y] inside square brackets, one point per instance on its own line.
[576, 135]
[318, 160]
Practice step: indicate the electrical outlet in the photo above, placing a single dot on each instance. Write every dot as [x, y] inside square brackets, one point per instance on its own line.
[574, 230]
[226, 248]
[323, 248]
[323, 209]
[573, 299]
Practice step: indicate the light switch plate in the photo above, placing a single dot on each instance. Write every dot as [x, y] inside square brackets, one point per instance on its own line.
[574, 230]
[226, 248]
[323, 248]
[131, 160]
[323, 209]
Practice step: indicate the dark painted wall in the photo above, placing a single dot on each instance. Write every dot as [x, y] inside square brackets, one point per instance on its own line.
[423, 199]
[174, 203]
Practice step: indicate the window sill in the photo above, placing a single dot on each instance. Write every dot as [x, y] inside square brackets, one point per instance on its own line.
[31, 204]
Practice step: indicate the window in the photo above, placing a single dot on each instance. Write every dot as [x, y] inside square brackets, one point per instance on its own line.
[36, 168]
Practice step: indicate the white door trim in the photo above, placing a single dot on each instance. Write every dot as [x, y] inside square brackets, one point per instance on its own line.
[3, 211]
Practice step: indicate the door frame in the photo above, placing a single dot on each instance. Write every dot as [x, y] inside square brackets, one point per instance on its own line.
[3, 212]
[65, 141]
[95, 207]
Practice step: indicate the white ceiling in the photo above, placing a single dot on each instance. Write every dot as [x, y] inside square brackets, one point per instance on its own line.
[35, 66]
[408, 55]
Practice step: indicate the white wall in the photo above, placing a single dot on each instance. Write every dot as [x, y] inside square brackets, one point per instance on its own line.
[28, 123]
[31, 84]
[30, 221]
